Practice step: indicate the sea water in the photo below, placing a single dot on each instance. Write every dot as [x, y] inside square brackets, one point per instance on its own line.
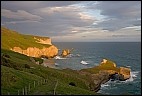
[90, 54]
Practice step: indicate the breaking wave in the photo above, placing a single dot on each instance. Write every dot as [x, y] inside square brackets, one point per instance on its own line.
[84, 62]
[133, 75]
[58, 57]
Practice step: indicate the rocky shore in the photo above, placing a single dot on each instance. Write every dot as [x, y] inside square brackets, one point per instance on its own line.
[101, 74]
[104, 72]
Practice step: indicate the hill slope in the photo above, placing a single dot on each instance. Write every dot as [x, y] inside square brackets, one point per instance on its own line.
[29, 45]
[10, 39]
[15, 76]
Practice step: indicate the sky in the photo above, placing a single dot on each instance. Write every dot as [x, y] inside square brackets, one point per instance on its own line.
[75, 21]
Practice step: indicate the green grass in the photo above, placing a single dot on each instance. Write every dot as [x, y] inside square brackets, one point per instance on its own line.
[23, 76]
[14, 80]
[104, 66]
[10, 39]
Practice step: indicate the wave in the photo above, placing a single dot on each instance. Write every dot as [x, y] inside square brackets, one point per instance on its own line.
[58, 57]
[133, 75]
[84, 62]
[70, 55]
[78, 55]
[104, 85]
[56, 64]
[128, 66]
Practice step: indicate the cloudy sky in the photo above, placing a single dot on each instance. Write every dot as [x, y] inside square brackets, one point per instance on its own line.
[75, 21]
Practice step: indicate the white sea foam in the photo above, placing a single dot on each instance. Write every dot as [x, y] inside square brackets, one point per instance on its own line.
[84, 62]
[58, 57]
[133, 75]
[104, 85]
[78, 55]
[56, 64]
[70, 55]
[128, 66]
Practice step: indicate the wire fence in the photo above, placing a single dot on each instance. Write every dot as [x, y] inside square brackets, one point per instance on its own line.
[27, 89]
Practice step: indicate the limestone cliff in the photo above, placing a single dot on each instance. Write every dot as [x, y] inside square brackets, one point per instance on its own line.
[45, 41]
[125, 73]
[66, 52]
[122, 72]
[36, 52]
[105, 71]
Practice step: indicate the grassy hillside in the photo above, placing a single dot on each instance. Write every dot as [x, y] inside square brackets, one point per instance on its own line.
[104, 66]
[10, 39]
[17, 71]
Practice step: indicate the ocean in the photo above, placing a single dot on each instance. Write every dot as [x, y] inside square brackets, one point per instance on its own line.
[90, 54]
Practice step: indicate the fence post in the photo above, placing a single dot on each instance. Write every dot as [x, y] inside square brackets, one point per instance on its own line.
[23, 91]
[18, 92]
[38, 82]
[55, 87]
[34, 84]
[46, 80]
[41, 81]
[8, 93]
[29, 87]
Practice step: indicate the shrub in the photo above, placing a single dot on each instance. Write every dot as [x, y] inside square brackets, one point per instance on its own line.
[72, 84]
[27, 66]
[5, 55]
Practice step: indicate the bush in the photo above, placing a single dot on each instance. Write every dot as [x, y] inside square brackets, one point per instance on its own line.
[5, 55]
[72, 84]
[27, 66]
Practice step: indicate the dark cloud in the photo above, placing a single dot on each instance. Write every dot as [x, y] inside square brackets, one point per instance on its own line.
[30, 5]
[52, 21]
[63, 18]
[19, 14]
[120, 9]
[119, 14]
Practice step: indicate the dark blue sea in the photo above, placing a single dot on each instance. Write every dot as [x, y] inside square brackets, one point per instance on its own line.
[90, 54]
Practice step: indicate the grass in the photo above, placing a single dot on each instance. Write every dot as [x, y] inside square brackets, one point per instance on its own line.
[16, 76]
[13, 80]
[10, 39]
[104, 66]
[17, 70]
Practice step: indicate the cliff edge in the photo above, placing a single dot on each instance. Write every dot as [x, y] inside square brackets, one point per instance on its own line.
[30, 45]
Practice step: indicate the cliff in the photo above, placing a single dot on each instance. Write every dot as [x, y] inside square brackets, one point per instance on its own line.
[66, 52]
[102, 73]
[43, 41]
[30, 45]
[36, 52]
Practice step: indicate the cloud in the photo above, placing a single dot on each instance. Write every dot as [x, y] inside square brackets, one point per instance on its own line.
[120, 9]
[74, 20]
[30, 5]
[61, 20]
[16, 22]
[119, 14]
[20, 14]
[65, 13]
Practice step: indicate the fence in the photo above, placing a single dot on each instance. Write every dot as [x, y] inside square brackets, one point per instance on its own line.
[27, 89]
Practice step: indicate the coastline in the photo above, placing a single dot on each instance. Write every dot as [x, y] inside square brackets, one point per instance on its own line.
[97, 79]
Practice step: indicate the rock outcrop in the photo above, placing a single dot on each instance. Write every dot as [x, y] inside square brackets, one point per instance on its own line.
[105, 71]
[124, 73]
[66, 52]
[43, 41]
[37, 52]
[98, 79]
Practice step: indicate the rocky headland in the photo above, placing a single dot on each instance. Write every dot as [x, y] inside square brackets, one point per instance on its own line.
[66, 52]
[102, 73]
[47, 52]
[35, 46]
